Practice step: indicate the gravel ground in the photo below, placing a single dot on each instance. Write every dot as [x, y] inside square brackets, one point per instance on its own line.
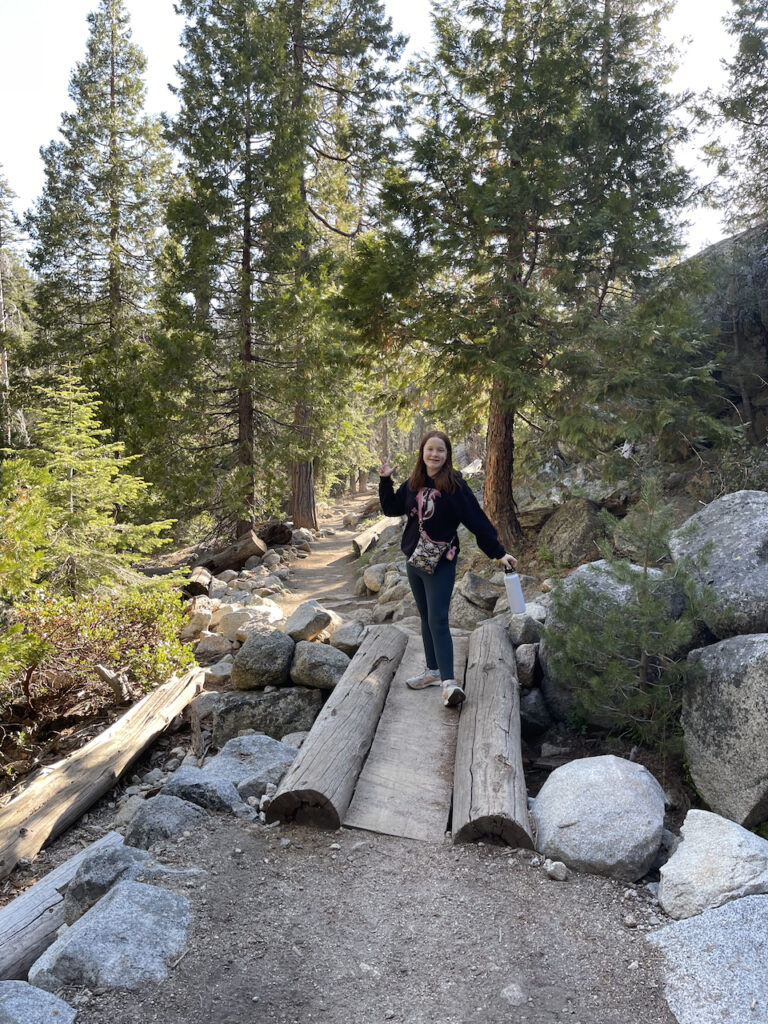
[297, 925]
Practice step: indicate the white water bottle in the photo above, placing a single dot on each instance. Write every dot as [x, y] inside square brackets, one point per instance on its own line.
[514, 592]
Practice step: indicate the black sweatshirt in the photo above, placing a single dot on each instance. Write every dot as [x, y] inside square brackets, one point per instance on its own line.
[442, 513]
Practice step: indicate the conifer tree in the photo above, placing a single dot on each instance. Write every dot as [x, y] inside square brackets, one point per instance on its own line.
[82, 478]
[15, 299]
[279, 129]
[745, 107]
[95, 227]
[538, 186]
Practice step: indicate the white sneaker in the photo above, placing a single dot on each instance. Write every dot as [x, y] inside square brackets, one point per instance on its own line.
[453, 695]
[429, 678]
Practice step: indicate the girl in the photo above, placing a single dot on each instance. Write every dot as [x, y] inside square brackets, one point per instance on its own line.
[446, 501]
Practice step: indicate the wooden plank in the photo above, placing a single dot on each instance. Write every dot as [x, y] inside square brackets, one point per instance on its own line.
[318, 786]
[56, 798]
[29, 924]
[489, 794]
[406, 784]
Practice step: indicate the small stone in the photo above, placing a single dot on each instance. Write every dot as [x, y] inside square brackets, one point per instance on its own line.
[630, 921]
[556, 870]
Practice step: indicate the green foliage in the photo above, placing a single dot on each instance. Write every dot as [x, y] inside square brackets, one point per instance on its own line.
[517, 226]
[78, 479]
[135, 630]
[627, 658]
[95, 229]
[744, 105]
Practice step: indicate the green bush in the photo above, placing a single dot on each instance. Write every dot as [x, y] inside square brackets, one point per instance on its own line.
[135, 630]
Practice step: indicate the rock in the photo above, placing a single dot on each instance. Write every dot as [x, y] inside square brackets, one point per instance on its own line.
[263, 613]
[217, 590]
[212, 646]
[219, 672]
[251, 763]
[226, 715]
[302, 536]
[263, 660]
[570, 534]
[395, 591]
[254, 561]
[603, 815]
[716, 862]
[715, 968]
[227, 575]
[373, 577]
[556, 870]
[307, 621]
[97, 874]
[200, 611]
[523, 629]
[405, 609]
[463, 613]
[22, 1003]
[736, 565]
[725, 710]
[383, 613]
[534, 716]
[525, 659]
[478, 591]
[349, 519]
[219, 612]
[318, 665]
[295, 739]
[163, 817]
[230, 624]
[203, 789]
[124, 941]
[349, 636]
[127, 809]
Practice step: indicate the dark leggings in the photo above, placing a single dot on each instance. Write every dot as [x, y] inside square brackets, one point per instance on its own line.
[432, 595]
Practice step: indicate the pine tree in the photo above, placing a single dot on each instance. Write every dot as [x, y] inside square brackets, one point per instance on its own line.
[279, 130]
[745, 107]
[538, 187]
[625, 659]
[15, 299]
[82, 478]
[95, 228]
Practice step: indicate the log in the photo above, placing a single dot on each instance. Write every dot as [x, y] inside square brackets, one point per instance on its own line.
[318, 787]
[198, 582]
[56, 798]
[489, 795]
[29, 924]
[370, 536]
[237, 554]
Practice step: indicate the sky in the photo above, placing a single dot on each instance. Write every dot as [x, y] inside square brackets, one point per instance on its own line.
[43, 39]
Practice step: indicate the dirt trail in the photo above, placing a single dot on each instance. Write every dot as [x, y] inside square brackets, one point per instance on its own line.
[292, 925]
[328, 574]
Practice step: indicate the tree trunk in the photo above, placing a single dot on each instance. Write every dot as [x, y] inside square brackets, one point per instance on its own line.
[352, 482]
[362, 481]
[303, 477]
[245, 389]
[498, 499]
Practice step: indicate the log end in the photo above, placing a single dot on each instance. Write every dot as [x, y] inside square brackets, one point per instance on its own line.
[496, 826]
[304, 807]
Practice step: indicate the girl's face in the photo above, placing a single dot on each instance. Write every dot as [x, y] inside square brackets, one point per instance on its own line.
[435, 455]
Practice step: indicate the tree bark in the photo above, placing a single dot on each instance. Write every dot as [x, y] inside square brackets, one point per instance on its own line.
[352, 482]
[362, 481]
[498, 498]
[318, 787]
[62, 792]
[245, 388]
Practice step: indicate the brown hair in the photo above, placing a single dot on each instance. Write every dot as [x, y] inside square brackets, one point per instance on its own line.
[448, 479]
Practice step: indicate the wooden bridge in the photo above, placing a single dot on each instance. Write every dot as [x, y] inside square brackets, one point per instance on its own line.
[388, 759]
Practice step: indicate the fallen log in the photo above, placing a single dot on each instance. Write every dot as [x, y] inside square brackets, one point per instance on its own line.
[198, 582]
[29, 924]
[237, 554]
[57, 797]
[318, 787]
[370, 536]
[489, 795]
